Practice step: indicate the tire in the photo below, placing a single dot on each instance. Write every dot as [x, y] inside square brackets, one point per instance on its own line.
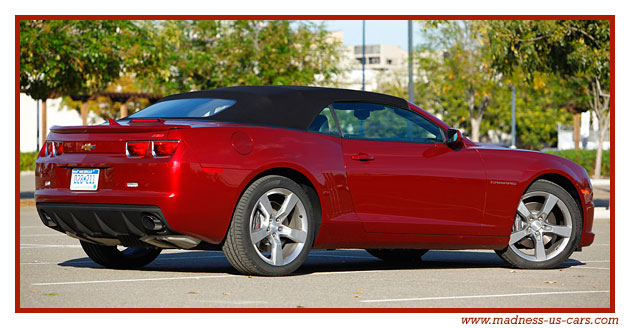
[546, 230]
[398, 256]
[111, 257]
[272, 229]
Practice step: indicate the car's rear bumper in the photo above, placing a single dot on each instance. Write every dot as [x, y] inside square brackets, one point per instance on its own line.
[198, 204]
[114, 224]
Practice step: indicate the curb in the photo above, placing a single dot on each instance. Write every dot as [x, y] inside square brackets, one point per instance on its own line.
[601, 213]
[600, 182]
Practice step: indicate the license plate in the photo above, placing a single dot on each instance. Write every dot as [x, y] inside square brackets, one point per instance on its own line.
[84, 179]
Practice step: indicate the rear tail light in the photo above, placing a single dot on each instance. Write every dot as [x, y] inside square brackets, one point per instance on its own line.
[57, 148]
[157, 149]
[49, 148]
[164, 148]
[137, 148]
[52, 149]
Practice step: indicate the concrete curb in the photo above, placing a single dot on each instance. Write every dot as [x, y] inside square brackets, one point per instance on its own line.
[600, 182]
[601, 213]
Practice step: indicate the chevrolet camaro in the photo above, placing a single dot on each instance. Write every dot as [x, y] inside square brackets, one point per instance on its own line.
[266, 173]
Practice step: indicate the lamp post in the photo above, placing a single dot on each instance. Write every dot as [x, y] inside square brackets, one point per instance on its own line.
[410, 85]
[363, 60]
[37, 101]
[513, 117]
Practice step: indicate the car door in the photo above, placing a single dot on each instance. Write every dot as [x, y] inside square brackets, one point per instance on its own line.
[402, 176]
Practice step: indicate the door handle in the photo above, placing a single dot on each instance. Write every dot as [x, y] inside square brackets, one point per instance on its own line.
[362, 157]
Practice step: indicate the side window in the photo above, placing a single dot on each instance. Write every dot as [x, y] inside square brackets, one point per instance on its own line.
[380, 122]
[324, 123]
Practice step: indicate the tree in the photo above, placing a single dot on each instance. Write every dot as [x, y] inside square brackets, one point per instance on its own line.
[210, 54]
[44, 61]
[578, 50]
[79, 58]
[456, 66]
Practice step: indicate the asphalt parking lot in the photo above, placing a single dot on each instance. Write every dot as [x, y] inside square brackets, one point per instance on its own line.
[54, 272]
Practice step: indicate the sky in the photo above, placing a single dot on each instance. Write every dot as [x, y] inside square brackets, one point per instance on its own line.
[376, 31]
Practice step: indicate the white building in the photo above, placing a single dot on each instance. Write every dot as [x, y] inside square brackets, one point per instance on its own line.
[382, 61]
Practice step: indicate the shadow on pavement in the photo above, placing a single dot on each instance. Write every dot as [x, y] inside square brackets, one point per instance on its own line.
[320, 261]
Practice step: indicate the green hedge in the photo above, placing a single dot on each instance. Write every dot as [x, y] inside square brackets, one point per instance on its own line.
[586, 158]
[27, 161]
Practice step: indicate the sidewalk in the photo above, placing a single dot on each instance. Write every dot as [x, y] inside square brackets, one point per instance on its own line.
[27, 184]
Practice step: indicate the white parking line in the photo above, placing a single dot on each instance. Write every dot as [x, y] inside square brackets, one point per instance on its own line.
[48, 246]
[344, 256]
[179, 278]
[592, 268]
[45, 235]
[181, 258]
[482, 296]
[234, 302]
[127, 280]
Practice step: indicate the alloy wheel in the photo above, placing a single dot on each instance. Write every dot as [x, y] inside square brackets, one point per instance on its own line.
[542, 227]
[278, 226]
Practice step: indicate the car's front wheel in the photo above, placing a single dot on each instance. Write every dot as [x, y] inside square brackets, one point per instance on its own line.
[546, 229]
[115, 258]
[272, 229]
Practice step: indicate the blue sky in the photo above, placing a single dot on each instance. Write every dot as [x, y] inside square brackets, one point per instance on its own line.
[376, 31]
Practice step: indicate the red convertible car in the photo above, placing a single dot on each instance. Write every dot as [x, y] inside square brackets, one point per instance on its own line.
[265, 173]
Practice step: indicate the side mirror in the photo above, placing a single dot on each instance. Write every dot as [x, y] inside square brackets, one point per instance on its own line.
[454, 139]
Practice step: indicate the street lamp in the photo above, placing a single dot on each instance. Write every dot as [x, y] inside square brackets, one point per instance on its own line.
[410, 85]
[363, 60]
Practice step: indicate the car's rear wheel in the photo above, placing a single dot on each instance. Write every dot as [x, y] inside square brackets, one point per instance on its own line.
[116, 258]
[546, 229]
[398, 256]
[272, 229]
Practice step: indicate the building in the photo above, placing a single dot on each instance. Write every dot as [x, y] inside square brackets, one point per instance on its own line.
[382, 62]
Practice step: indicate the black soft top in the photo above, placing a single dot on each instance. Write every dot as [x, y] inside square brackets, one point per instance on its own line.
[286, 106]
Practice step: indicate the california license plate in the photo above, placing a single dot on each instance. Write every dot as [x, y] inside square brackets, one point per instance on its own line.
[84, 179]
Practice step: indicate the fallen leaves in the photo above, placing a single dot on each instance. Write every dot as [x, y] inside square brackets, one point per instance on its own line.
[193, 292]
[51, 294]
[551, 282]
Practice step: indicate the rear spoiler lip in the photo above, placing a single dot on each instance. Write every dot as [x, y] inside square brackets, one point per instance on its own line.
[116, 128]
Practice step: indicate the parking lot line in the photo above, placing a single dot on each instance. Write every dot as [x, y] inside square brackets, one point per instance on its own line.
[127, 280]
[180, 278]
[343, 256]
[44, 235]
[179, 258]
[48, 246]
[482, 296]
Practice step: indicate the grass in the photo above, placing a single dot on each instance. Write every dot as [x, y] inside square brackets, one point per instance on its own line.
[27, 161]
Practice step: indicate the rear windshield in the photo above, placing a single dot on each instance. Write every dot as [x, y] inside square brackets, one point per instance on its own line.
[185, 108]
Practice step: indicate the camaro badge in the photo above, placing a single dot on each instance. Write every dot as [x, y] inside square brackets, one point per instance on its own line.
[88, 147]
